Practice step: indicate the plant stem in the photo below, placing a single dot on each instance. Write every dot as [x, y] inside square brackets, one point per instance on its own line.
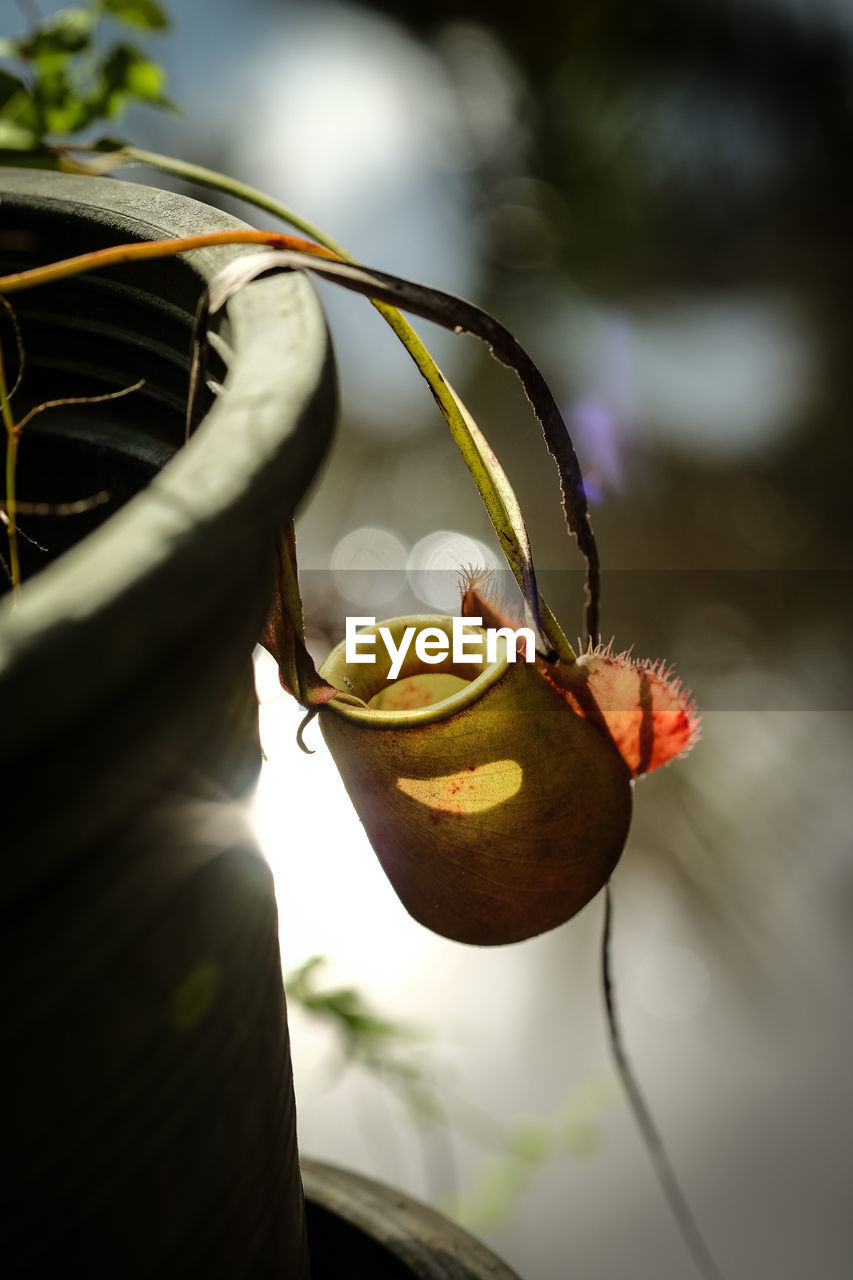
[675, 1197]
[147, 249]
[229, 187]
[11, 471]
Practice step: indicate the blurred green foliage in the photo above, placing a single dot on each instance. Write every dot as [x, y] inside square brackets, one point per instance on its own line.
[66, 73]
[389, 1049]
[400, 1056]
[528, 1148]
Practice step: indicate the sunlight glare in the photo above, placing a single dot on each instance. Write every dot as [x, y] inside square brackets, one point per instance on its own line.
[333, 897]
[472, 790]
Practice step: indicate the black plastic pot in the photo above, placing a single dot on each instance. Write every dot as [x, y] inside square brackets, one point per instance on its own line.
[359, 1229]
[148, 1113]
[148, 1124]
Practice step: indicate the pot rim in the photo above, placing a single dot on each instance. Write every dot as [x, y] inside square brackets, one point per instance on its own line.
[417, 1237]
[257, 447]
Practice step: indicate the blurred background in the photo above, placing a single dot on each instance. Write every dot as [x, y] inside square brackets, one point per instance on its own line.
[656, 198]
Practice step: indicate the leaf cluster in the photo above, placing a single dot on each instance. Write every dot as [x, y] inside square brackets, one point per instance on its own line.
[363, 1032]
[528, 1148]
[392, 1051]
[65, 75]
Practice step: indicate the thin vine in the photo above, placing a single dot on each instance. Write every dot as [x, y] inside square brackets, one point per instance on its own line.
[12, 437]
[12, 508]
[652, 1140]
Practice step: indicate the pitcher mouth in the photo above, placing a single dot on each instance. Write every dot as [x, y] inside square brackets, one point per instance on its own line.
[438, 690]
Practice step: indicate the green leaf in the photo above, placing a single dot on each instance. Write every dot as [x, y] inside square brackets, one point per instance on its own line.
[57, 105]
[145, 81]
[67, 32]
[365, 1034]
[15, 137]
[8, 48]
[138, 13]
[66, 116]
[129, 74]
[10, 86]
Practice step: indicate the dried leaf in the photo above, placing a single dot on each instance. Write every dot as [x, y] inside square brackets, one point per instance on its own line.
[283, 635]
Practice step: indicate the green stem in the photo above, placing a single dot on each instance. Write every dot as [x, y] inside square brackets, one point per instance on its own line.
[229, 187]
[11, 472]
